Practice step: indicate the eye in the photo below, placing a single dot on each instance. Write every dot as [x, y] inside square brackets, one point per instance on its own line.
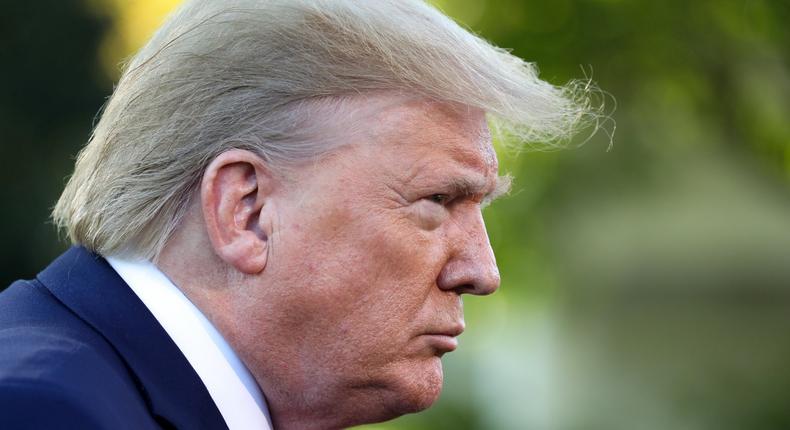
[440, 199]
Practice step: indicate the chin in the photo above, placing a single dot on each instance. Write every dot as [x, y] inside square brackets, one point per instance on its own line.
[406, 387]
[419, 386]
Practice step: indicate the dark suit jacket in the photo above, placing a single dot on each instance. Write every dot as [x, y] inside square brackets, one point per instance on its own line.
[79, 350]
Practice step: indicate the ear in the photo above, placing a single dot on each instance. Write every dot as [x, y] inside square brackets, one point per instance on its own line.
[235, 195]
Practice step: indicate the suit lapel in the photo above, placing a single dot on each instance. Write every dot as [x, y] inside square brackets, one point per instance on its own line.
[87, 284]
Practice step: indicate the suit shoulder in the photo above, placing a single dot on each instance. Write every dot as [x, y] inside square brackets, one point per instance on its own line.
[51, 360]
[39, 337]
[26, 405]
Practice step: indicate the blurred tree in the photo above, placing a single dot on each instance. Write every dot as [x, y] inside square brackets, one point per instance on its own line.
[51, 89]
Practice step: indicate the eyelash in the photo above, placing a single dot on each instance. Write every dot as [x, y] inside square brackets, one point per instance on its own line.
[439, 199]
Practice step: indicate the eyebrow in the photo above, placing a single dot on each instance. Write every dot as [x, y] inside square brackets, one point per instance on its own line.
[501, 188]
[465, 186]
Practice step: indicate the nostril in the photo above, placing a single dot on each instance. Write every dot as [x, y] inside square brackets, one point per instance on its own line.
[487, 287]
[467, 289]
[479, 286]
[469, 276]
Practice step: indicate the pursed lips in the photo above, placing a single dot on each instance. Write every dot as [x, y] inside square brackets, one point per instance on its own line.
[444, 338]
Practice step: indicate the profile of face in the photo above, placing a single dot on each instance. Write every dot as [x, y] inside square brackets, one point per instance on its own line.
[371, 249]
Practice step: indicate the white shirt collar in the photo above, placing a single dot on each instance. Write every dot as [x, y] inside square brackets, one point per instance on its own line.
[229, 382]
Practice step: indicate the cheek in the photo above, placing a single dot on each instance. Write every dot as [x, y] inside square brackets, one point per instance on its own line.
[363, 250]
[408, 251]
[359, 285]
[360, 270]
[390, 279]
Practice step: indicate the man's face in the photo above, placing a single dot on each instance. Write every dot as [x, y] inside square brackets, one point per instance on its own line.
[371, 251]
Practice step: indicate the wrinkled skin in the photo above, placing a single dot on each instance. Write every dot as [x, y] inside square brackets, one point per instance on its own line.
[368, 251]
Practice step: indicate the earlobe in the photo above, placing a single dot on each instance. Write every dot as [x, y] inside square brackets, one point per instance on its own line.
[234, 195]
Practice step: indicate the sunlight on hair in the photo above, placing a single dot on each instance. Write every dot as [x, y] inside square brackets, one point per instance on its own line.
[133, 24]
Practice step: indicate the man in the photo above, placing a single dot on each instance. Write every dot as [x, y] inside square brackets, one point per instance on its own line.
[274, 222]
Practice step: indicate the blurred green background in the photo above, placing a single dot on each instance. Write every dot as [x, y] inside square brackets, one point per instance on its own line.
[644, 287]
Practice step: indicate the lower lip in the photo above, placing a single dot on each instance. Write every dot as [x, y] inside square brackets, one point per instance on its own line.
[442, 342]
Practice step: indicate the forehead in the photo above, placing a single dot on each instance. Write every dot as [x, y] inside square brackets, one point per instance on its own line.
[428, 132]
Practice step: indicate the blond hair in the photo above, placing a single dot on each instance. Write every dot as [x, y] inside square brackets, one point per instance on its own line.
[255, 74]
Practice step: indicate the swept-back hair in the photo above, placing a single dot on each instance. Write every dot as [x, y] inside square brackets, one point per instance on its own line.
[270, 76]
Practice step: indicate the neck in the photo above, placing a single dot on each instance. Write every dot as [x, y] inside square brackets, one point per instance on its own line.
[296, 398]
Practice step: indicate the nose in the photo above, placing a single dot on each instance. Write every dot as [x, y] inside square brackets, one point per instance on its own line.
[471, 268]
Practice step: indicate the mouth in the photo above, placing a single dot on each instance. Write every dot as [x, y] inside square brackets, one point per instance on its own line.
[444, 339]
[441, 343]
